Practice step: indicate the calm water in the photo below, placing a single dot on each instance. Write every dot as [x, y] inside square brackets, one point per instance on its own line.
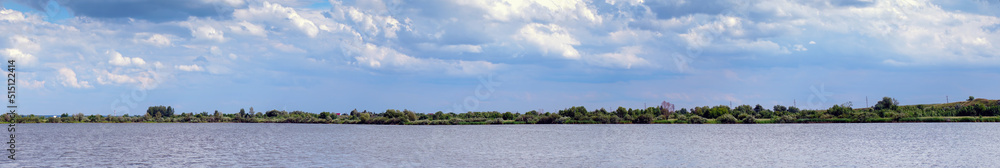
[311, 145]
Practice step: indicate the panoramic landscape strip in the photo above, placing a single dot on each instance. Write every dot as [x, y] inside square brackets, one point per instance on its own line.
[886, 110]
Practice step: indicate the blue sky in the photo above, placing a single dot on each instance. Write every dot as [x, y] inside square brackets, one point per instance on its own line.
[104, 57]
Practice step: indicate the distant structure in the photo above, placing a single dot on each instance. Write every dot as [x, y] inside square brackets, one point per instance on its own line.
[251, 111]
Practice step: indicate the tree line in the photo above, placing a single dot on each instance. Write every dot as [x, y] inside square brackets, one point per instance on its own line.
[885, 110]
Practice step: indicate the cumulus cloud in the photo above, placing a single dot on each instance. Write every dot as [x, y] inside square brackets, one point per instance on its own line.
[119, 60]
[244, 27]
[189, 68]
[550, 38]
[158, 40]
[20, 57]
[68, 78]
[547, 10]
[376, 57]
[278, 15]
[625, 58]
[207, 33]
[11, 15]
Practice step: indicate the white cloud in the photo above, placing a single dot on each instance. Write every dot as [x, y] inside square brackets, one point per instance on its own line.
[158, 40]
[118, 59]
[812, 42]
[189, 68]
[461, 48]
[624, 58]
[11, 15]
[279, 15]
[630, 2]
[527, 10]
[248, 28]
[207, 33]
[550, 38]
[68, 78]
[20, 57]
[375, 57]
[799, 47]
[373, 24]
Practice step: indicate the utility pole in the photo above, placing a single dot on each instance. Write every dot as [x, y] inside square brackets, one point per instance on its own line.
[866, 101]
[946, 99]
[794, 104]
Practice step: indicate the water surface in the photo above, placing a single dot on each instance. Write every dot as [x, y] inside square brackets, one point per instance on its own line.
[322, 145]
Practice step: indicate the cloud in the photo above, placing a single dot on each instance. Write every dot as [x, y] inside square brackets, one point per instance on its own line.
[189, 68]
[119, 60]
[158, 40]
[20, 57]
[372, 24]
[550, 38]
[244, 27]
[376, 57]
[11, 15]
[545, 10]
[799, 47]
[68, 78]
[625, 58]
[278, 15]
[207, 33]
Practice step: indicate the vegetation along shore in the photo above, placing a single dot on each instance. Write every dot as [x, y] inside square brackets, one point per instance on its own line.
[885, 110]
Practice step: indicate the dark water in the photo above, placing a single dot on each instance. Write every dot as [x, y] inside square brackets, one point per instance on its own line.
[310, 145]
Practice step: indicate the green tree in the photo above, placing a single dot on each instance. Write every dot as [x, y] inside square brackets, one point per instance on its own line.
[887, 103]
[508, 116]
[778, 108]
[972, 98]
[410, 115]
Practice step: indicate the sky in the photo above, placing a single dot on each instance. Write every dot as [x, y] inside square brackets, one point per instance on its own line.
[122, 56]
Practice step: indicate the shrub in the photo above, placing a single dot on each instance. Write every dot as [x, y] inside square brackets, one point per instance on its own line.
[682, 119]
[727, 119]
[697, 120]
[454, 121]
[561, 120]
[785, 119]
[495, 121]
[644, 119]
[749, 120]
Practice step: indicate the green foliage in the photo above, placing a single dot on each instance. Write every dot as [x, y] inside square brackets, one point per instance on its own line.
[837, 110]
[644, 119]
[727, 119]
[780, 108]
[160, 111]
[887, 103]
[971, 98]
[747, 119]
[697, 120]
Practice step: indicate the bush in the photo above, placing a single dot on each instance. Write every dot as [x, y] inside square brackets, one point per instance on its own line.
[749, 120]
[454, 121]
[727, 119]
[495, 121]
[682, 119]
[697, 120]
[644, 119]
[561, 120]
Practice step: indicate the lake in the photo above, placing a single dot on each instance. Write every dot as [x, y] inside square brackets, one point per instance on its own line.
[658, 145]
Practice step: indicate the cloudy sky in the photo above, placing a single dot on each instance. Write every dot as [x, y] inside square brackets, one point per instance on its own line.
[121, 56]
